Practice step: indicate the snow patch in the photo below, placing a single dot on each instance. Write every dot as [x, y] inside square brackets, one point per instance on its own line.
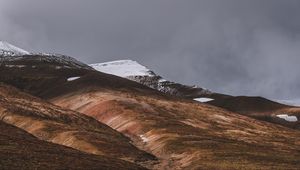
[203, 99]
[12, 66]
[144, 139]
[122, 68]
[72, 78]
[288, 118]
[162, 80]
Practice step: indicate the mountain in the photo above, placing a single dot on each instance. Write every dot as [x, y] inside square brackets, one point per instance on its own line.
[132, 70]
[256, 107]
[123, 120]
[37, 60]
[7, 49]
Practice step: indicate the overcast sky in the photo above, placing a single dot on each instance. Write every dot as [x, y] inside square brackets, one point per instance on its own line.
[239, 47]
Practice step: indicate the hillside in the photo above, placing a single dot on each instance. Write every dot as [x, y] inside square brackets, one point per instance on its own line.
[65, 127]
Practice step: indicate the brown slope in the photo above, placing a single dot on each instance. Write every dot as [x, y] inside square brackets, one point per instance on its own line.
[21, 150]
[65, 127]
[189, 135]
[259, 108]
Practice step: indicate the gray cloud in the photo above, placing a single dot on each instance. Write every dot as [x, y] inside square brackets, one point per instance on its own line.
[238, 47]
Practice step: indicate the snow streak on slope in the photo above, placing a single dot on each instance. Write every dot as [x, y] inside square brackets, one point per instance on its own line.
[8, 49]
[123, 68]
[203, 99]
[73, 78]
[288, 118]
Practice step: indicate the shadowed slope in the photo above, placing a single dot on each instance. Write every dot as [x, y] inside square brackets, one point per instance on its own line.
[259, 108]
[21, 150]
[246, 104]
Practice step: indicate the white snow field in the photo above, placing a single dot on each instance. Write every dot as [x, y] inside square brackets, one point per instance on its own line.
[122, 68]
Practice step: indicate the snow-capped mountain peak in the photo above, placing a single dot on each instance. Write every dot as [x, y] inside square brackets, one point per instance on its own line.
[132, 70]
[123, 68]
[11, 50]
[10, 53]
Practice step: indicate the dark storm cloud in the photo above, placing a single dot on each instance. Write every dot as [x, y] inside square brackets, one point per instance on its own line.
[249, 47]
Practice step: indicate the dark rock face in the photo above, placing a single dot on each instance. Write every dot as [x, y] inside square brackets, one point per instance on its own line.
[168, 87]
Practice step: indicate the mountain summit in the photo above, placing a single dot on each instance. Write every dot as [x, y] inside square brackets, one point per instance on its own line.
[12, 56]
[7, 49]
[132, 70]
[123, 68]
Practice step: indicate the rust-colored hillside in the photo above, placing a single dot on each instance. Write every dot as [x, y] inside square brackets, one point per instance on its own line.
[65, 127]
[184, 134]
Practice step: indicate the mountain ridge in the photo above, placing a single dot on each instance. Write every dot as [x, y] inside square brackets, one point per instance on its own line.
[8, 49]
